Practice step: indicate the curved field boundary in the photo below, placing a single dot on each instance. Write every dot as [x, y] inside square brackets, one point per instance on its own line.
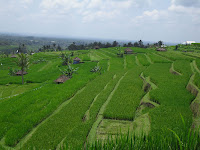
[146, 102]
[195, 105]
[28, 136]
[47, 65]
[148, 58]
[157, 54]
[125, 63]
[95, 52]
[137, 61]
[173, 71]
[104, 55]
[87, 114]
[141, 122]
[92, 133]
[109, 52]
[195, 66]
[21, 93]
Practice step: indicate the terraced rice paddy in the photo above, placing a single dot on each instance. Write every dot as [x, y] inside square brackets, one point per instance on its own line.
[147, 94]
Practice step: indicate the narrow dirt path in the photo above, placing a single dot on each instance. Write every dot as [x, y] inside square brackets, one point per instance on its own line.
[92, 133]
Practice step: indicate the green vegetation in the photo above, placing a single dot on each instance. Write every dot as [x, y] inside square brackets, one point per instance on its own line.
[145, 94]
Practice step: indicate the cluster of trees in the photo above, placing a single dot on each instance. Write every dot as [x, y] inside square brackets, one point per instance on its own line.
[92, 45]
[50, 48]
[159, 43]
[136, 44]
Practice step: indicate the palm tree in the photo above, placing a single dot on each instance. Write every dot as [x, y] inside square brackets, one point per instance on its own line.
[22, 62]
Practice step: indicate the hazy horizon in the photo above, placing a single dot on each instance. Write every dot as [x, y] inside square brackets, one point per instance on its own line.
[172, 21]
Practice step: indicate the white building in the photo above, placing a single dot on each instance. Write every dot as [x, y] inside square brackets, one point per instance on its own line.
[189, 42]
[163, 45]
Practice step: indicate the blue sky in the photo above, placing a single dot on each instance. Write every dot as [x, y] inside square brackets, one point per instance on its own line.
[149, 20]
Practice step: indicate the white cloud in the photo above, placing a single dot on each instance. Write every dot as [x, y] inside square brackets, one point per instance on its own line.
[186, 3]
[149, 17]
[190, 14]
[91, 10]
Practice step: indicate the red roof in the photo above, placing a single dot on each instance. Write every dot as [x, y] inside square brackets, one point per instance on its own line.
[161, 49]
[13, 56]
[61, 79]
[128, 50]
[77, 59]
[20, 72]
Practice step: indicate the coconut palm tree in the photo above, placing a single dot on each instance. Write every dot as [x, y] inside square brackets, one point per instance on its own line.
[22, 62]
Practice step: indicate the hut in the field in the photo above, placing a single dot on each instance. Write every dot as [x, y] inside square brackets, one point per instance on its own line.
[19, 73]
[96, 47]
[13, 56]
[76, 60]
[161, 49]
[128, 51]
[61, 79]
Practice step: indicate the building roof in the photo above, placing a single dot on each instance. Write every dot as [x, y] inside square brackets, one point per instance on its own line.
[190, 42]
[161, 49]
[13, 56]
[128, 50]
[96, 47]
[61, 79]
[20, 72]
[77, 59]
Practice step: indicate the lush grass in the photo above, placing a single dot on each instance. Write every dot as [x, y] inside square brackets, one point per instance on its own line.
[11, 90]
[127, 97]
[37, 73]
[197, 75]
[173, 55]
[186, 140]
[157, 59]
[36, 105]
[73, 119]
[68, 123]
[143, 60]
[167, 115]
[130, 61]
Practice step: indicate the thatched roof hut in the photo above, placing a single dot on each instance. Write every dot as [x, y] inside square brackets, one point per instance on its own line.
[128, 51]
[61, 79]
[161, 49]
[19, 73]
[96, 47]
[76, 60]
[13, 56]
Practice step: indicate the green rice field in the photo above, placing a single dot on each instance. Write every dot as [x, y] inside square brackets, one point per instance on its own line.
[144, 100]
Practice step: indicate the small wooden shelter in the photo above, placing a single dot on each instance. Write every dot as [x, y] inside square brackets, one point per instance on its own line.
[19, 73]
[96, 47]
[76, 60]
[128, 51]
[61, 79]
[13, 56]
[161, 49]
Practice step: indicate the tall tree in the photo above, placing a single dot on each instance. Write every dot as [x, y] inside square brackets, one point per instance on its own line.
[160, 43]
[136, 44]
[140, 43]
[130, 44]
[22, 62]
[115, 43]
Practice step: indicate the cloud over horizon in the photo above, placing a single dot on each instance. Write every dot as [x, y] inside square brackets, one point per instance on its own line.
[173, 20]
